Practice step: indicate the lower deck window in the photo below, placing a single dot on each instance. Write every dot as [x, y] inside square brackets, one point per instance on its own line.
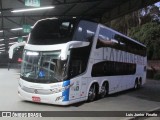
[112, 68]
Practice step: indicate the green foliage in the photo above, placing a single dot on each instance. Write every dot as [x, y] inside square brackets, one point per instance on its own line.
[157, 76]
[148, 34]
[142, 25]
[124, 23]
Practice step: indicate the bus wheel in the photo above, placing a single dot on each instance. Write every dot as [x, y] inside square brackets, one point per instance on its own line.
[92, 93]
[139, 83]
[136, 84]
[104, 90]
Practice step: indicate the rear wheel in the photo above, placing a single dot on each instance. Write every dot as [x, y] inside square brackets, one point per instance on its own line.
[104, 90]
[136, 84]
[92, 93]
[139, 83]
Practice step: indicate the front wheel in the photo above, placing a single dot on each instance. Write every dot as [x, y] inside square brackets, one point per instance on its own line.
[92, 93]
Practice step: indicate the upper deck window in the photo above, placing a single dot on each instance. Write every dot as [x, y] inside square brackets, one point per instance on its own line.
[49, 32]
[85, 31]
[108, 38]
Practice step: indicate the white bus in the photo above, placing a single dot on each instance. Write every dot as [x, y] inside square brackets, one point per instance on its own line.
[67, 61]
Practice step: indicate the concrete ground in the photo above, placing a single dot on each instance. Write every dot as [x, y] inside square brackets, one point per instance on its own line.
[145, 99]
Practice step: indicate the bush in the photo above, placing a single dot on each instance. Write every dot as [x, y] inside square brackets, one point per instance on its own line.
[157, 76]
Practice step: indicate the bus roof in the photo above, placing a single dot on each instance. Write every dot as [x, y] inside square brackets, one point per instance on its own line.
[73, 19]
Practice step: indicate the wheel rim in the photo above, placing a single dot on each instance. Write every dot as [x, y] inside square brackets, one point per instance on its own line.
[103, 91]
[92, 93]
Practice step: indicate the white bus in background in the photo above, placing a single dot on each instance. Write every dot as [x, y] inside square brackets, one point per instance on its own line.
[67, 61]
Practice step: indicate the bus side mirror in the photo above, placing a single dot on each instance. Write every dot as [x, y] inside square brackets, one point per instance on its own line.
[13, 47]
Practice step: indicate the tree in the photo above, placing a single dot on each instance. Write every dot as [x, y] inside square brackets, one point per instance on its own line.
[124, 23]
[148, 34]
[142, 25]
[136, 18]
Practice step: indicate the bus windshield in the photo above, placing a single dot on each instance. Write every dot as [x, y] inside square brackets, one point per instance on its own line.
[43, 67]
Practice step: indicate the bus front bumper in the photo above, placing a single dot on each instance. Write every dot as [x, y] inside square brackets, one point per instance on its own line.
[56, 98]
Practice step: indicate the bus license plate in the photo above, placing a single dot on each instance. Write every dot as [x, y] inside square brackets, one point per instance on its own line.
[36, 99]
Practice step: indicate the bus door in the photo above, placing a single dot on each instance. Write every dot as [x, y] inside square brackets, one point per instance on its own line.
[75, 70]
[79, 88]
[84, 85]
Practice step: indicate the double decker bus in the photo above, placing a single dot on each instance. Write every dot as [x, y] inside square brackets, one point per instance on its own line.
[68, 60]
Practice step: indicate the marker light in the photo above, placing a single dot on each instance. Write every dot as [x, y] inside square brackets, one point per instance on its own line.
[19, 60]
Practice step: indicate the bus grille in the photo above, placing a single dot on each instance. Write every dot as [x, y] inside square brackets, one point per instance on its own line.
[37, 91]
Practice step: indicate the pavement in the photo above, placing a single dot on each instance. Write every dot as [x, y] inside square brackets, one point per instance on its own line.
[145, 99]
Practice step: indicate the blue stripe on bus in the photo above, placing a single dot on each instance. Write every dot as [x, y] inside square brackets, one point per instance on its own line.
[65, 93]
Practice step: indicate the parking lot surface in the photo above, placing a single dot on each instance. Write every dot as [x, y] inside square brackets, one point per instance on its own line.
[145, 99]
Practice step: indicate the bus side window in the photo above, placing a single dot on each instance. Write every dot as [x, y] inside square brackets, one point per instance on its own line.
[104, 38]
[76, 67]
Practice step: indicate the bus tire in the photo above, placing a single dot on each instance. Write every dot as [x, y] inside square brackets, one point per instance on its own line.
[104, 90]
[136, 84]
[140, 83]
[92, 93]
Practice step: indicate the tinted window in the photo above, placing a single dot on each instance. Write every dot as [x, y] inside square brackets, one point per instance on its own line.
[129, 46]
[112, 68]
[85, 31]
[48, 32]
[107, 38]
[78, 60]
